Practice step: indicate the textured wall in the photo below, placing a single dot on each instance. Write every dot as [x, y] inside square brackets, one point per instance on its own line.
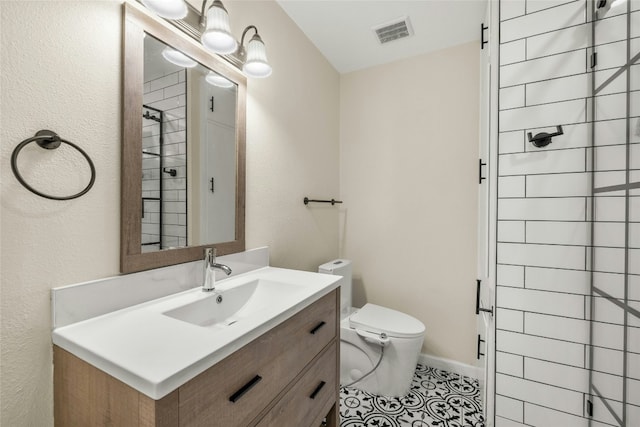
[409, 164]
[61, 69]
[52, 78]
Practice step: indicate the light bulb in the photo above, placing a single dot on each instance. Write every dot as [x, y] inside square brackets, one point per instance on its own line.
[217, 80]
[178, 58]
[170, 9]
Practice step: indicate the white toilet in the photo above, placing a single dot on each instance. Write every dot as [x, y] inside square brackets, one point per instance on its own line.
[377, 343]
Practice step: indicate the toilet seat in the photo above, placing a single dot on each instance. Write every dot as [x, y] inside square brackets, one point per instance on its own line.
[373, 331]
[378, 319]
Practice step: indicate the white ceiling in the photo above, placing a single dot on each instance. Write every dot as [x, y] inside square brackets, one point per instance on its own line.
[342, 29]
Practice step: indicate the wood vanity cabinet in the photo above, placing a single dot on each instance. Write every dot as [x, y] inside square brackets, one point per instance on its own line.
[287, 377]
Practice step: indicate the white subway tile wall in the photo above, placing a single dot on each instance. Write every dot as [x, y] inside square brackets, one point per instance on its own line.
[509, 408]
[510, 320]
[544, 210]
[510, 364]
[512, 142]
[513, 52]
[168, 94]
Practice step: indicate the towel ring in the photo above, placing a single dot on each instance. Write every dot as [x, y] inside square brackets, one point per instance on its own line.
[49, 140]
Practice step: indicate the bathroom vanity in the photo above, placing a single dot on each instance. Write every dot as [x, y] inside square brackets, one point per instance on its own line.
[286, 374]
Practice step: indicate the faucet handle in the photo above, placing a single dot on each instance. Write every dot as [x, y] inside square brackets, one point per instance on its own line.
[210, 255]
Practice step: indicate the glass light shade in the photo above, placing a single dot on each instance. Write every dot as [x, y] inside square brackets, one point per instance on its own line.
[217, 80]
[170, 9]
[256, 64]
[217, 36]
[178, 58]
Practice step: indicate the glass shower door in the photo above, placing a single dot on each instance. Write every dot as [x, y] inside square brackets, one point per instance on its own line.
[614, 350]
[152, 163]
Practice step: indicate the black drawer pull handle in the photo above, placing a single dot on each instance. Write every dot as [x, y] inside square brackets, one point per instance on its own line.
[245, 388]
[317, 328]
[317, 390]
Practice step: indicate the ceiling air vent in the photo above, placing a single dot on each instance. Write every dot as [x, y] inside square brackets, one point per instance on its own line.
[394, 30]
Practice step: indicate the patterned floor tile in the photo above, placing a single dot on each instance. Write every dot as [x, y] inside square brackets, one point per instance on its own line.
[437, 399]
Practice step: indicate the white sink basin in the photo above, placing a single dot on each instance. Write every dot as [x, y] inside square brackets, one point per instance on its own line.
[157, 346]
[225, 307]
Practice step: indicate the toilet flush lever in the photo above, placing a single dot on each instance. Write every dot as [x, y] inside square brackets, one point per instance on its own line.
[380, 339]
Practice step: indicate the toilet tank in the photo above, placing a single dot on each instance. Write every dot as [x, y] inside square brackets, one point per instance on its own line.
[341, 267]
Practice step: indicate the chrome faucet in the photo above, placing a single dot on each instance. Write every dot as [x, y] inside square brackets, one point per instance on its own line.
[210, 264]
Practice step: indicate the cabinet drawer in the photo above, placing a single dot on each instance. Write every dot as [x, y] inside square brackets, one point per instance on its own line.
[309, 400]
[258, 372]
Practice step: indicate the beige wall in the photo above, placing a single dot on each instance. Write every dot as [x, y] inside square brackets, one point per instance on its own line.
[408, 176]
[292, 143]
[61, 70]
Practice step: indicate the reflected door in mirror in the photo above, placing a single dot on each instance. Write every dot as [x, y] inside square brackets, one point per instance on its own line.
[188, 152]
[218, 165]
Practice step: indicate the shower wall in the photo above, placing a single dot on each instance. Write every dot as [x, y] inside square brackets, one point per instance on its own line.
[544, 213]
[168, 94]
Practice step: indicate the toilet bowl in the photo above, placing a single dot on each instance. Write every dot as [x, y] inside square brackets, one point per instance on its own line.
[379, 347]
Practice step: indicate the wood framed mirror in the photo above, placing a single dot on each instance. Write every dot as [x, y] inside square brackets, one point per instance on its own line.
[183, 147]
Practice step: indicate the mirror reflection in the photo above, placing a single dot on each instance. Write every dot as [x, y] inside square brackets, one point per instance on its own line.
[188, 152]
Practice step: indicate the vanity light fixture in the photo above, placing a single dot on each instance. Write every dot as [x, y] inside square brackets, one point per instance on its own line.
[217, 38]
[178, 58]
[217, 32]
[254, 58]
[218, 80]
[215, 35]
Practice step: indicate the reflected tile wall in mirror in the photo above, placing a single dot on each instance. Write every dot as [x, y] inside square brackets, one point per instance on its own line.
[164, 158]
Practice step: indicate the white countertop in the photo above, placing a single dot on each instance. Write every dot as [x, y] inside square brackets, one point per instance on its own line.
[156, 354]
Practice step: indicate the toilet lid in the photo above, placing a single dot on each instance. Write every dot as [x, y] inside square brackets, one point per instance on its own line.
[377, 319]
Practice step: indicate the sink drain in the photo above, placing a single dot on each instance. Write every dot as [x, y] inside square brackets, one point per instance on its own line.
[219, 299]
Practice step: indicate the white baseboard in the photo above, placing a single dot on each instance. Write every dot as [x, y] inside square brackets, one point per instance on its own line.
[450, 366]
